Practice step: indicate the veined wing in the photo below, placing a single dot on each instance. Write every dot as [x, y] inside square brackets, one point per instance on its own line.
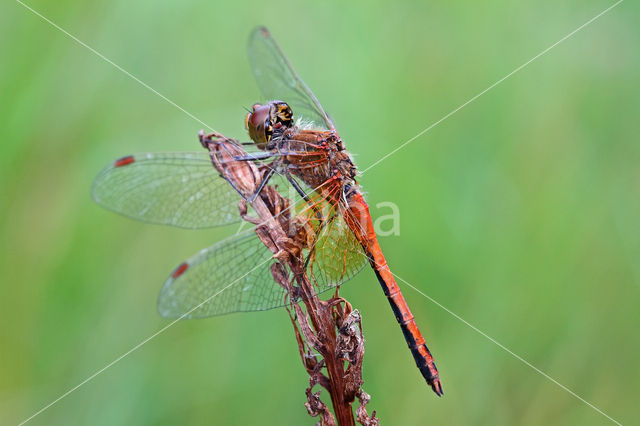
[235, 274]
[278, 80]
[338, 255]
[179, 189]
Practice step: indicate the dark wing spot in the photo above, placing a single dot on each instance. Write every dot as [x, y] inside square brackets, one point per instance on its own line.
[124, 161]
[180, 270]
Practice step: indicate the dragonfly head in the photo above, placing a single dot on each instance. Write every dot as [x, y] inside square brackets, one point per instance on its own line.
[266, 119]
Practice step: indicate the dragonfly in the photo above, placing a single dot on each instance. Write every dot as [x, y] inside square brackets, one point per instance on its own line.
[296, 146]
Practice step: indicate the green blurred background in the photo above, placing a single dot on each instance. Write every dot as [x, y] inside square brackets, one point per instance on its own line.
[519, 213]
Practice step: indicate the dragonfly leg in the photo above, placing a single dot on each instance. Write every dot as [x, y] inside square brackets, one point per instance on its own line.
[265, 179]
[254, 157]
[253, 196]
[304, 196]
[233, 185]
[301, 192]
[297, 187]
[248, 157]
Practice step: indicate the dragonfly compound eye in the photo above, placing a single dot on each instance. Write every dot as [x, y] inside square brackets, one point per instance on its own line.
[258, 124]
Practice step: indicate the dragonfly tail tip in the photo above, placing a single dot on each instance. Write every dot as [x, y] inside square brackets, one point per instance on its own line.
[436, 385]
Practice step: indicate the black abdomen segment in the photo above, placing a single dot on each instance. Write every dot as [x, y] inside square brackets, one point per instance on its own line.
[413, 336]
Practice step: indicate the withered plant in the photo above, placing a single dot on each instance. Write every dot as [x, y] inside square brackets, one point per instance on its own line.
[328, 332]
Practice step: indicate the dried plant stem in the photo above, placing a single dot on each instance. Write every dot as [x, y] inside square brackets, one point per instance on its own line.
[328, 333]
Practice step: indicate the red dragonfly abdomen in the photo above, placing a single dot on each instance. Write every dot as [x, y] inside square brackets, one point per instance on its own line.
[358, 219]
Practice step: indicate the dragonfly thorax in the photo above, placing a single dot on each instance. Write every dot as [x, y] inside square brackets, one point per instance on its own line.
[317, 157]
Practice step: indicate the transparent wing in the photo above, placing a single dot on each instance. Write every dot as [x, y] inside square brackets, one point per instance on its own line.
[179, 189]
[278, 80]
[338, 255]
[233, 275]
